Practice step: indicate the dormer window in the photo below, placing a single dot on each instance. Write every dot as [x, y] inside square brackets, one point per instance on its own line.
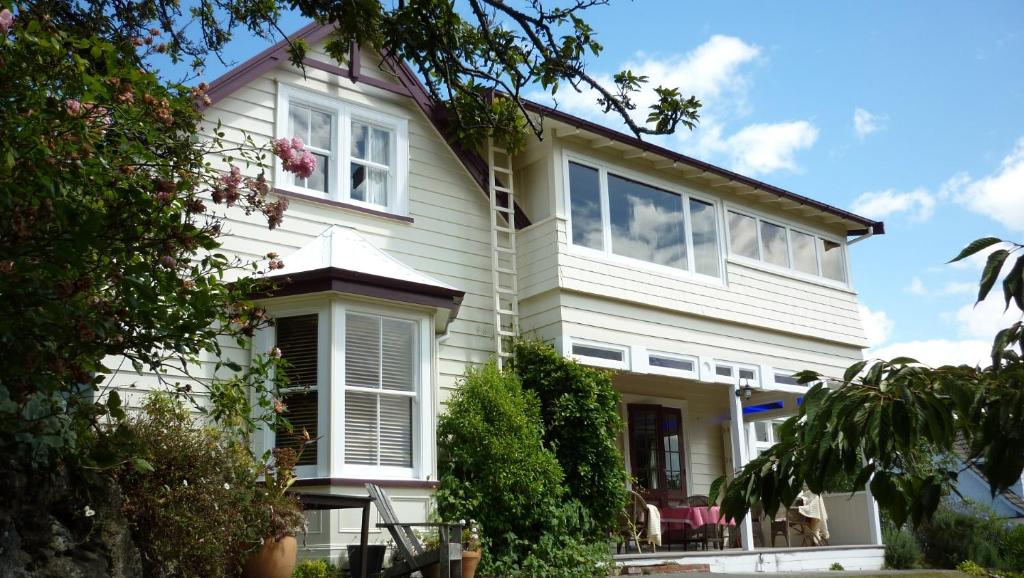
[362, 155]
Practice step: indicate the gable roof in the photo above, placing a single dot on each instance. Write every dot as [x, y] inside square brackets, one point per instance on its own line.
[411, 86]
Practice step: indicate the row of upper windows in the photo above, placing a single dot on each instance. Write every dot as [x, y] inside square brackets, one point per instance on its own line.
[627, 218]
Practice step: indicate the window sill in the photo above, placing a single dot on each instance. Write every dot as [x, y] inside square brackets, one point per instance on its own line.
[790, 274]
[342, 205]
[358, 482]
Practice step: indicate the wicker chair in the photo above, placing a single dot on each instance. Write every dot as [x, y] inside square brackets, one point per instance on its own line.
[633, 524]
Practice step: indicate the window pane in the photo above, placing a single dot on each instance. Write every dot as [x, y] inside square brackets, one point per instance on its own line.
[360, 428]
[747, 374]
[646, 223]
[786, 379]
[598, 352]
[362, 351]
[761, 431]
[773, 239]
[301, 407]
[585, 198]
[723, 370]
[318, 180]
[380, 146]
[320, 135]
[369, 184]
[396, 431]
[743, 235]
[803, 252]
[298, 122]
[832, 264]
[297, 340]
[360, 136]
[398, 355]
[670, 362]
[705, 237]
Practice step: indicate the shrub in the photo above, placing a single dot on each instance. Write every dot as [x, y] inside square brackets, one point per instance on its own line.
[902, 552]
[192, 499]
[579, 407]
[971, 569]
[1012, 548]
[495, 469]
[836, 567]
[315, 569]
[961, 532]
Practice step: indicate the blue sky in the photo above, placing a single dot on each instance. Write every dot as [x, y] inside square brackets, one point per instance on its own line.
[908, 112]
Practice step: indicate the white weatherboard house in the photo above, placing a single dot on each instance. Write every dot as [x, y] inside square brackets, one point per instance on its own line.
[410, 260]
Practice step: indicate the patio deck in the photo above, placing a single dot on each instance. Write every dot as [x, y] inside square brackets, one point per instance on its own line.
[769, 560]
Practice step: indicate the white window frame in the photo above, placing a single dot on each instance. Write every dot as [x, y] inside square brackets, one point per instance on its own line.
[598, 361]
[657, 369]
[791, 270]
[756, 446]
[331, 388]
[339, 183]
[734, 379]
[606, 251]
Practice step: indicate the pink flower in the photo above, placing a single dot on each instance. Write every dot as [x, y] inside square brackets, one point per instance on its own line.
[73, 107]
[294, 157]
[283, 149]
[6, 21]
[297, 144]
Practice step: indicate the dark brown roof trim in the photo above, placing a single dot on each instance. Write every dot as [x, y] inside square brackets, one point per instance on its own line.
[367, 285]
[346, 482]
[342, 205]
[876, 227]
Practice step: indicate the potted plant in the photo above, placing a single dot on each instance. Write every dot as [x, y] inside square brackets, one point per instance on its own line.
[470, 549]
[283, 517]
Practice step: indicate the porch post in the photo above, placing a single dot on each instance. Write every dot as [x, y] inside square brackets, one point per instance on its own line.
[874, 523]
[739, 457]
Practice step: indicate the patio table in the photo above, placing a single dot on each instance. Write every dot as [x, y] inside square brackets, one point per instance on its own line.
[694, 516]
[318, 501]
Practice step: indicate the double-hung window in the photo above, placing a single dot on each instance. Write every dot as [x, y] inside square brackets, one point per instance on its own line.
[628, 218]
[752, 237]
[358, 384]
[362, 154]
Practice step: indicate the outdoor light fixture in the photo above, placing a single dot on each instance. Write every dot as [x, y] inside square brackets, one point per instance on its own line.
[745, 390]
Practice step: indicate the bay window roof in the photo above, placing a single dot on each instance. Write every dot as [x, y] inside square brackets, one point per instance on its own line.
[342, 260]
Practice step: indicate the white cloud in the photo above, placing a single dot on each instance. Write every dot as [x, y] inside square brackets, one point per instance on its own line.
[987, 319]
[959, 288]
[919, 203]
[916, 287]
[877, 325]
[714, 72]
[999, 196]
[936, 352]
[865, 123]
[766, 148]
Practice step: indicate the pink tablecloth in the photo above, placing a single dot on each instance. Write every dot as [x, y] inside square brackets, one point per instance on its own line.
[694, 517]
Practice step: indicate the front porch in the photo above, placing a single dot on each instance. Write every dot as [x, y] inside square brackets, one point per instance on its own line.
[682, 434]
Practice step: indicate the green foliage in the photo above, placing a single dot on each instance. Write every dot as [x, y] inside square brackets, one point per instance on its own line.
[972, 569]
[836, 567]
[316, 569]
[887, 421]
[958, 532]
[1012, 548]
[902, 552]
[579, 407]
[196, 507]
[496, 469]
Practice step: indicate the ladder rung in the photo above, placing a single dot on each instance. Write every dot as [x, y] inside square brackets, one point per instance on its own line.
[505, 250]
[502, 170]
[505, 210]
[504, 333]
[501, 189]
[506, 312]
[505, 230]
[506, 271]
[499, 150]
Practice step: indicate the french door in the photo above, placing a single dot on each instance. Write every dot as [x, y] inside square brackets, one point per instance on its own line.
[656, 452]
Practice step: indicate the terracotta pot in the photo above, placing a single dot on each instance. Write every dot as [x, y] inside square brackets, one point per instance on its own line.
[469, 563]
[275, 559]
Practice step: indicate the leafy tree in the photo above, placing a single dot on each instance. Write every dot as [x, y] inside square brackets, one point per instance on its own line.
[886, 422]
[579, 407]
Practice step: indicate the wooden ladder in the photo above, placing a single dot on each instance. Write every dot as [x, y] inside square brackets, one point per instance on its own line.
[504, 272]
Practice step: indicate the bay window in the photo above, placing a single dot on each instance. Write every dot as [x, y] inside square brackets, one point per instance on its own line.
[627, 218]
[362, 154]
[358, 379]
[752, 237]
